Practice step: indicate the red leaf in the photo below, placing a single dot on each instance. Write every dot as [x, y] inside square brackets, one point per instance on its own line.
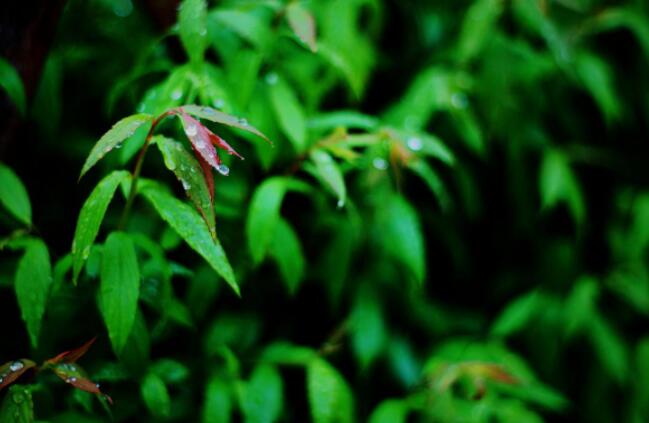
[12, 370]
[74, 375]
[220, 143]
[200, 139]
[72, 355]
[207, 173]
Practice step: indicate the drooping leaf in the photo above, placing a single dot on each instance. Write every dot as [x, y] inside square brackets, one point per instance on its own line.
[401, 235]
[12, 84]
[349, 119]
[120, 288]
[287, 252]
[214, 115]
[263, 216]
[188, 224]
[135, 355]
[329, 395]
[263, 395]
[477, 26]
[72, 355]
[122, 130]
[286, 354]
[329, 172]
[192, 28]
[390, 411]
[189, 173]
[597, 77]
[422, 169]
[289, 112]
[302, 23]
[217, 406]
[13, 195]
[368, 329]
[33, 281]
[18, 406]
[12, 370]
[91, 216]
[517, 314]
[558, 184]
[156, 396]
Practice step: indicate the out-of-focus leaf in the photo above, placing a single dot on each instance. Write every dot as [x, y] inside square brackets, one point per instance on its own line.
[289, 112]
[189, 225]
[170, 371]
[156, 396]
[303, 24]
[401, 236]
[433, 181]
[203, 288]
[368, 329]
[33, 281]
[12, 370]
[91, 216]
[597, 77]
[248, 26]
[558, 184]
[12, 84]
[263, 216]
[390, 411]
[287, 252]
[349, 119]
[113, 138]
[580, 306]
[217, 406]
[120, 288]
[189, 173]
[329, 395]
[329, 173]
[13, 195]
[517, 314]
[18, 406]
[610, 348]
[478, 25]
[263, 395]
[283, 353]
[213, 115]
[192, 28]
[72, 355]
[135, 355]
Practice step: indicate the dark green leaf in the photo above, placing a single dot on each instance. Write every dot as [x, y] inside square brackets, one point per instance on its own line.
[156, 396]
[329, 395]
[12, 84]
[192, 27]
[329, 173]
[13, 195]
[18, 406]
[287, 252]
[263, 395]
[289, 112]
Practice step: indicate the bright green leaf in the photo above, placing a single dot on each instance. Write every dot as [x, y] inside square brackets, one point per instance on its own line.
[329, 395]
[263, 395]
[289, 112]
[12, 84]
[302, 23]
[18, 406]
[390, 411]
[33, 281]
[287, 252]
[120, 288]
[156, 396]
[13, 195]
[192, 28]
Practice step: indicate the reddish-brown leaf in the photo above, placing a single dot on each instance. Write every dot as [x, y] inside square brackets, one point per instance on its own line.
[72, 355]
[207, 173]
[73, 374]
[199, 137]
[12, 370]
[220, 143]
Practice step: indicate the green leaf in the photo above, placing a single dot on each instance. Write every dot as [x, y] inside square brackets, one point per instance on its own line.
[287, 252]
[190, 174]
[597, 77]
[289, 112]
[13, 195]
[329, 395]
[263, 216]
[401, 235]
[12, 84]
[390, 411]
[156, 396]
[368, 329]
[422, 169]
[263, 395]
[33, 281]
[610, 348]
[192, 28]
[114, 138]
[558, 184]
[18, 406]
[517, 314]
[302, 23]
[330, 175]
[349, 119]
[135, 355]
[286, 354]
[217, 407]
[213, 115]
[90, 218]
[120, 288]
[189, 225]
[478, 25]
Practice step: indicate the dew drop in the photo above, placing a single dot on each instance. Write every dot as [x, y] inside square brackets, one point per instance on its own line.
[218, 103]
[243, 122]
[272, 78]
[203, 32]
[223, 169]
[16, 365]
[191, 130]
[186, 185]
[380, 163]
[71, 379]
[176, 94]
[459, 101]
[2, 379]
[414, 143]
[85, 253]
[341, 203]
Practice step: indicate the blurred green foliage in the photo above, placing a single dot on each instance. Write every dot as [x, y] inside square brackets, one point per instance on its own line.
[451, 224]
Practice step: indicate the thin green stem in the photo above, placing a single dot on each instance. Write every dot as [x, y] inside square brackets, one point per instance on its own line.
[138, 169]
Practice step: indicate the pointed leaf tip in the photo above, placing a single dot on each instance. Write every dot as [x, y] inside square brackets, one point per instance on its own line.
[12, 370]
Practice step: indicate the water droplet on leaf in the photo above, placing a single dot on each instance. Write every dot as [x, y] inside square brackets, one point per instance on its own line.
[271, 78]
[459, 101]
[218, 103]
[16, 365]
[176, 94]
[243, 122]
[223, 169]
[191, 130]
[380, 163]
[414, 143]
